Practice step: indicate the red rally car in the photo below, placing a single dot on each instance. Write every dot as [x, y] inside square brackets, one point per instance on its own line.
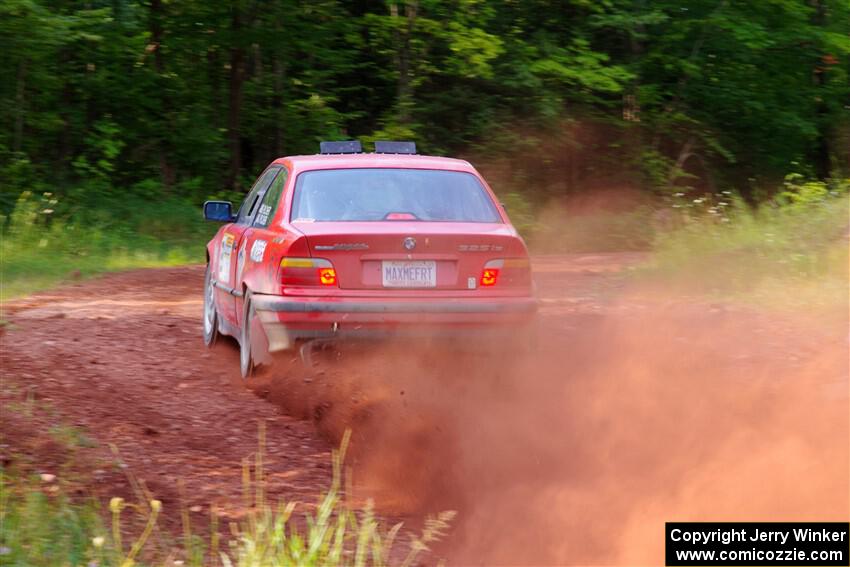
[349, 245]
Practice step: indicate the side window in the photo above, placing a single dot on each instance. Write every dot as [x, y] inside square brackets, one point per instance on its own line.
[249, 205]
[268, 206]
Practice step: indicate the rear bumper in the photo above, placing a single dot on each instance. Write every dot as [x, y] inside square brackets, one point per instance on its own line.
[287, 319]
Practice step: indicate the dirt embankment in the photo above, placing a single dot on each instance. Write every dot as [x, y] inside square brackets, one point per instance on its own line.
[632, 411]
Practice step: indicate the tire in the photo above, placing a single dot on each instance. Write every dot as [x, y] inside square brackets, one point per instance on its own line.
[246, 357]
[210, 316]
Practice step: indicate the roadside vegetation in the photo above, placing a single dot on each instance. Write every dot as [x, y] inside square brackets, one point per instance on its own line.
[789, 252]
[43, 242]
[51, 518]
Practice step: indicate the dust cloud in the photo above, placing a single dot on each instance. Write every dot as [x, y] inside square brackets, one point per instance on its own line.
[638, 405]
[577, 453]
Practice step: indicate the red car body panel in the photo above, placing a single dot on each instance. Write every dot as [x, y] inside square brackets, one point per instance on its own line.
[245, 259]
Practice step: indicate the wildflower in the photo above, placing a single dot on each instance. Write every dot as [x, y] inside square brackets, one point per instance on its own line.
[47, 477]
[98, 541]
[156, 505]
[116, 503]
[5, 550]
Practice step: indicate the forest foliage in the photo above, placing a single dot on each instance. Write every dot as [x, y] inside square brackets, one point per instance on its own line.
[187, 99]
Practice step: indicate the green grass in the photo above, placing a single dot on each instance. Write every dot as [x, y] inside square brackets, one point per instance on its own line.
[39, 250]
[42, 525]
[792, 251]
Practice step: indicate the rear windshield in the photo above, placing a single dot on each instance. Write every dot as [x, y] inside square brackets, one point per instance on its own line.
[391, 194]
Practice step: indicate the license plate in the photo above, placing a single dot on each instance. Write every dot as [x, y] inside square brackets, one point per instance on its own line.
[419, 273]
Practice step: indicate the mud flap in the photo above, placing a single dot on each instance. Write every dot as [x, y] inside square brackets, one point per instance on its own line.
[259, 341]
[276, 337]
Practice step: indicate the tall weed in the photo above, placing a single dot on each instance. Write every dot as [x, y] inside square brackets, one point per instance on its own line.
[41, 525]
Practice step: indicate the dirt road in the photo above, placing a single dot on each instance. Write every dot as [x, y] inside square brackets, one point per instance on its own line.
[121, 358]
[637, 408]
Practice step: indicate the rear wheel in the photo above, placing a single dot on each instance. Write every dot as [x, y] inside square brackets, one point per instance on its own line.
[246, 357]
[210, 313]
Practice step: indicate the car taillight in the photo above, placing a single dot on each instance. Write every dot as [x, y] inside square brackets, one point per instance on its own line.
[327, 276]
[506, 272]
[489, 277]
[307, 272]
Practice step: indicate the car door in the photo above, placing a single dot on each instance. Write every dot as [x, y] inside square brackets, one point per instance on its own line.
[233, 247]
[252, 268]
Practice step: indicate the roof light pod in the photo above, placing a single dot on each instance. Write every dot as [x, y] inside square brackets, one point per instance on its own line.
[346, 147]
[384, 147]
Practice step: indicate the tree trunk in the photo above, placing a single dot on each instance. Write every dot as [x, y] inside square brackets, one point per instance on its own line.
[678, 168]
[234, 114]
[279, 70]
[20, 100]
[822, 153]
[65, 135]
[156, 17]
[404, 85]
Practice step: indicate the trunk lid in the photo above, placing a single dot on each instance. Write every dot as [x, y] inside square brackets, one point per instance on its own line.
[407, 256]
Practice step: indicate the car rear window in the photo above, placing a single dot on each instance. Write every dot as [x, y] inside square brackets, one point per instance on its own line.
[391, 194]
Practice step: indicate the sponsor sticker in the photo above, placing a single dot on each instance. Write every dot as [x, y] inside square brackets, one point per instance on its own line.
[263, 214]
[258, 250]
[224, 258]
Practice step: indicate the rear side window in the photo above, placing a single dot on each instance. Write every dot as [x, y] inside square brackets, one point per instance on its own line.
[385, 194]
[249, 205]
[268, 206]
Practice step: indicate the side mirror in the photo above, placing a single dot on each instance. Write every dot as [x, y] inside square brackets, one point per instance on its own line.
[220, 211]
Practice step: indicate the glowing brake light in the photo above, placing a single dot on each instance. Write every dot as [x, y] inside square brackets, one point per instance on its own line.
[307, 272]
[327, 276]
[489, 276]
